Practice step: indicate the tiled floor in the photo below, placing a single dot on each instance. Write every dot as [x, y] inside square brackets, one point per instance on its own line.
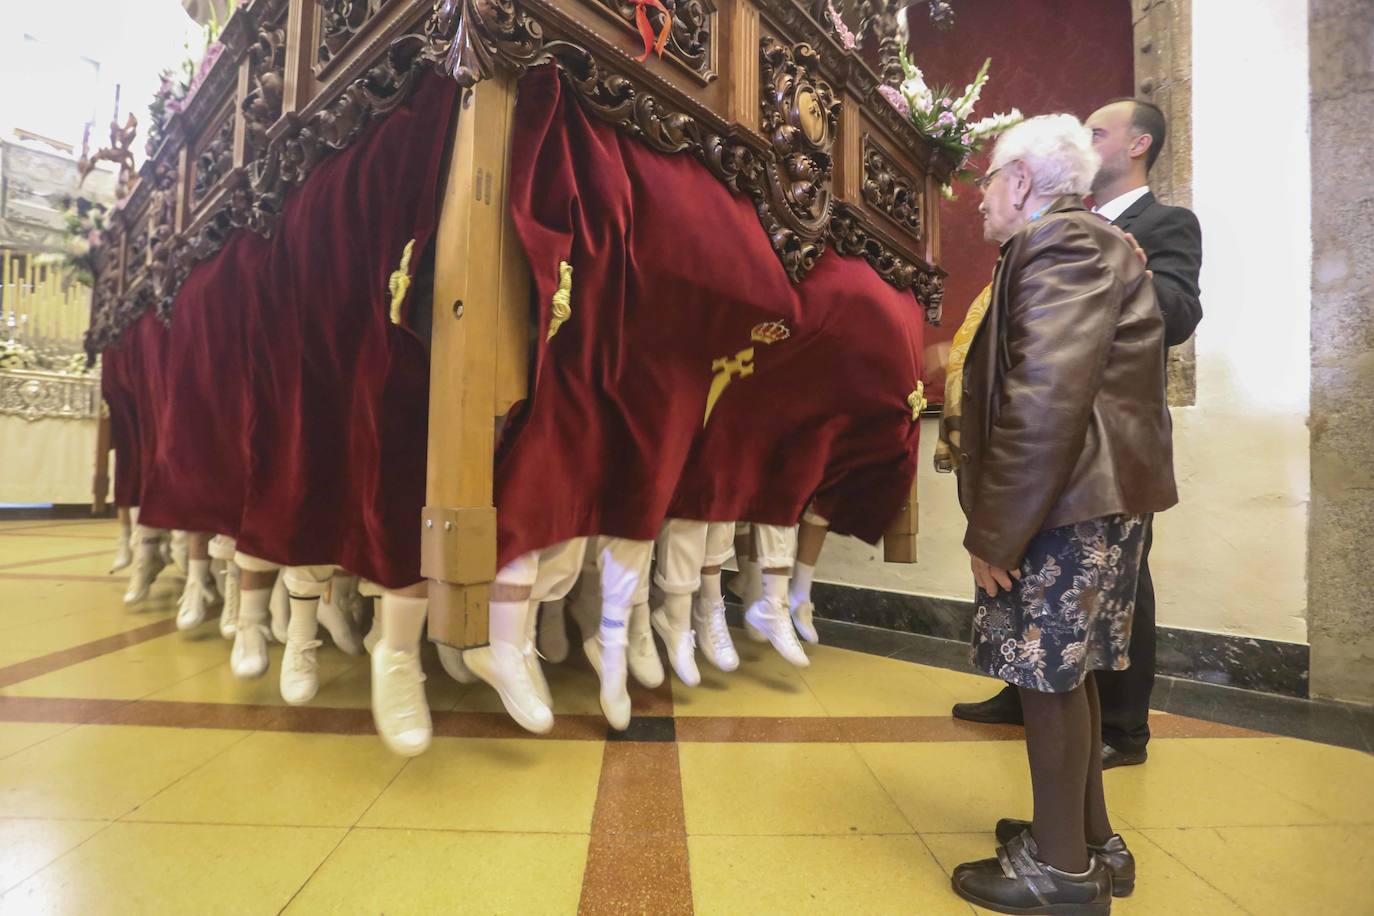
[138, 776]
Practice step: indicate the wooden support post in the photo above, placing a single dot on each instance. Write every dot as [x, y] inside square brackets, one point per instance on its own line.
[899, 543]
[100, 488]
[473, 271]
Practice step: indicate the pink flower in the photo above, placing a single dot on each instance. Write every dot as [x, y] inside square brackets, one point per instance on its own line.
[847, 38]
[897, 100]
[966, 139]
[946, 120]
[93, 238]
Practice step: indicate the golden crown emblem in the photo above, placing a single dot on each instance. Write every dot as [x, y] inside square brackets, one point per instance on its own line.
[769, 332]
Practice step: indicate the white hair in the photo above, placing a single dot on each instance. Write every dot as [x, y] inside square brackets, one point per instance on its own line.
[1058, 151]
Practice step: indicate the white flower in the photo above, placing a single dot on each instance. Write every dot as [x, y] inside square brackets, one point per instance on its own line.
[917, 92]
[994, 124]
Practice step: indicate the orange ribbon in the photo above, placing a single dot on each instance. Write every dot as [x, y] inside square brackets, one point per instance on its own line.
[646, 30]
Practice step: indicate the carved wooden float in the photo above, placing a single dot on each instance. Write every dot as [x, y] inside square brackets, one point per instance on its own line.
[760, 91]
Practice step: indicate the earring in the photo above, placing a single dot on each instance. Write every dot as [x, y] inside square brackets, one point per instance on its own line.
[1020, 206]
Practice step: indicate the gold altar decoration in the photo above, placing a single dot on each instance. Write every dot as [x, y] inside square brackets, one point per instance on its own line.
[562, 298]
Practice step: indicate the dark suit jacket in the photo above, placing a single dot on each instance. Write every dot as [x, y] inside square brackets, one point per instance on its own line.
[1172, 240]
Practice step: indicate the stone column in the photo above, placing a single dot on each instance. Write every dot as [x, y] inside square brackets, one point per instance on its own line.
[1163, 35]
[1340, 541]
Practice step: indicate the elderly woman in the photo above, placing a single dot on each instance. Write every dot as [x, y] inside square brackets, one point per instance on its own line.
[1065, 447]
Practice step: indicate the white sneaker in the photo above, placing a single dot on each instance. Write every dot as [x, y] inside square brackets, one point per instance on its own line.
[229, 611]
[145, 572]
[196, 598]
[124, 554]
[770, 617]
[642, 657]
[713, 635]
[801, 619]
[164, 550]
[340, 626]
[279, 606]
[682, 648]
[610, 662]
[248, 658]
[503, 666]
[553, 632]
[452, 660]
[374, 634]
[300, 671]
[400, 709]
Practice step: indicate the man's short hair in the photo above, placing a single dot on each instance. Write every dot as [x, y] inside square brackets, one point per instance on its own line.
[1147, 118]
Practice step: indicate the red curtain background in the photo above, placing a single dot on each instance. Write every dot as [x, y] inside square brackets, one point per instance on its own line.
[1047, 56]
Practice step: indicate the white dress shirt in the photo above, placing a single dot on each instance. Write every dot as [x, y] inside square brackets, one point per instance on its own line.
[1118, 205]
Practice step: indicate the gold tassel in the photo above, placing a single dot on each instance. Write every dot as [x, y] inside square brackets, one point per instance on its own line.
[399, 284]
[917, 401]
[562, 299]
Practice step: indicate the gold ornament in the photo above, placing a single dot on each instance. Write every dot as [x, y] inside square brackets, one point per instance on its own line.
[726, 370]
[399, 284]
[917, 401]
[562, 299]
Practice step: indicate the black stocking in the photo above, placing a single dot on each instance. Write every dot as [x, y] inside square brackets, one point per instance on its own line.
[1058, 743]
[1097, 826]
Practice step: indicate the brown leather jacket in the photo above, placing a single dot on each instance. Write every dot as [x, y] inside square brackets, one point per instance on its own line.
[1064, 417]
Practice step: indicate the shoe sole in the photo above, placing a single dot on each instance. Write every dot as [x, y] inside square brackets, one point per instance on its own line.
[1053, 909]
[985, 720]
[506, 704]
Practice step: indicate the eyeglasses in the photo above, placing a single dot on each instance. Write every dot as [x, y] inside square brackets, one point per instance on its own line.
[982, 181]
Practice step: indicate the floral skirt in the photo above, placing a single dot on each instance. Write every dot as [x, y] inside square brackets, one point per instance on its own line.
[1071, 611]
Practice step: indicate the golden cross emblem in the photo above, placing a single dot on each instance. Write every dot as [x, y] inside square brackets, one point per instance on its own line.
[399, 283]
[917, 401]
[726, 370]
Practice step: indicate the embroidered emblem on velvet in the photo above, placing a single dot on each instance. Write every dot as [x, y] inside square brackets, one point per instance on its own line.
[726, 370]
[399, 284]
[562, 299]
[770, 332]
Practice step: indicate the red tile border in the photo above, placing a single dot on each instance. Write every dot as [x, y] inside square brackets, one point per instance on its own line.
[65, 658]
[637, 859]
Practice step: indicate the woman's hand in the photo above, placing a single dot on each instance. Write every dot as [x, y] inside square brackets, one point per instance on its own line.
[990, 578]
[1140, 253]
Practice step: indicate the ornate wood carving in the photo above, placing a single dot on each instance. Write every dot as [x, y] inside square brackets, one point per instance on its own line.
[850, 237]
[215, 159]
[690, 38]
[800, 119]
[340, 22]
[889, 190]
[263, 105]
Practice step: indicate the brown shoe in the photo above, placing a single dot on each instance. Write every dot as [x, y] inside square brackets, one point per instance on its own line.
[1018, 882]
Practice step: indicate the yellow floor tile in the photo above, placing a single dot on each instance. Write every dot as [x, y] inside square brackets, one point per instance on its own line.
[27, 601]
[178, 868]
[1281, 870]
[29, 845]
[817, 874]
[496, 785]
[852, 684]
[102, 772]
[15, 550]
[1317, 775]
[116, 676]
[281, 778]
[218, 684]
[1164, 886]
[964, 686]
[15, 736]
[782, 789]
[765, 685]
[430, 871]
[953, 786]
[42, 637]
[96, 565]
[1183, 787]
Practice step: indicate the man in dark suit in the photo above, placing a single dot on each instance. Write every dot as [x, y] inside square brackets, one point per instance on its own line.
[1128, 134]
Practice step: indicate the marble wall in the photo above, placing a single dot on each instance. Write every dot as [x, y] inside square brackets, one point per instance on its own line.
[1341, 587]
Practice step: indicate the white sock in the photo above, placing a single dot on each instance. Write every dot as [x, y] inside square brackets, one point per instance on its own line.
[775, 586]
[615, 624]
[678, 609]
[304, 622]
[403, 621]
[800, 589]
[711, 594]
[198, 569]
[507, 622]
[253, 607]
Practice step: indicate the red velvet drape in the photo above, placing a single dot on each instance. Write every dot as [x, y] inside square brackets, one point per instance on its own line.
[673, 272]
[1047, 56]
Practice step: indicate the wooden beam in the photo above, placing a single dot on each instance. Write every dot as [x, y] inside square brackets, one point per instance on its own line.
[458, 537]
